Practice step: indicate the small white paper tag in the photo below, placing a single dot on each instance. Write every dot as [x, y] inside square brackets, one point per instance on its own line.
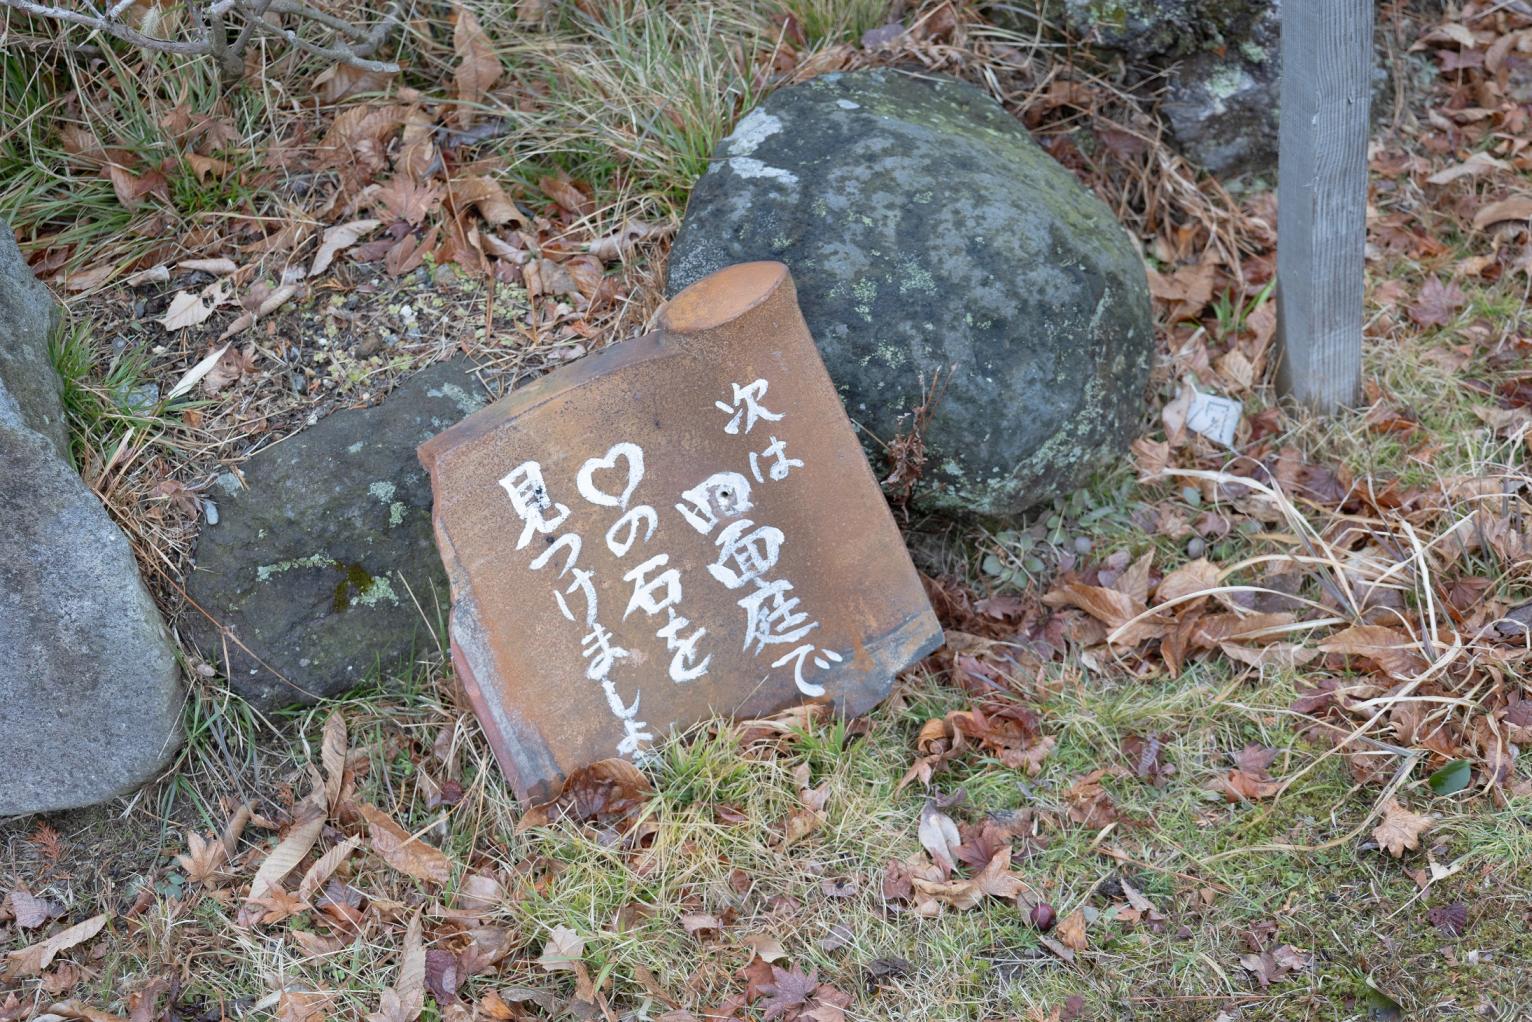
[1214, 417]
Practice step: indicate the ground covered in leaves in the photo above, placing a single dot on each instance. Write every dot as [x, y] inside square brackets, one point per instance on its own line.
[1231, 734]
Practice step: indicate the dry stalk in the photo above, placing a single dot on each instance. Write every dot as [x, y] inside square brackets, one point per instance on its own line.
[214, 34]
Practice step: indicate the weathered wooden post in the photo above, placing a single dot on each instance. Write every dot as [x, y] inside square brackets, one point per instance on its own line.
[1322, 217]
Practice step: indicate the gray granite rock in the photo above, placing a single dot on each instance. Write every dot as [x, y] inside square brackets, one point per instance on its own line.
[322, 567]
[90, 693]
[928, 233]
[29, 388]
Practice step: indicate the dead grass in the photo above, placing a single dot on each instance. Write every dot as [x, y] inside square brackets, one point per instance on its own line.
[630, 100]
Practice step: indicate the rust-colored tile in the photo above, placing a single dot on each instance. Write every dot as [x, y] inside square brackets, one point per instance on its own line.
[676, 527]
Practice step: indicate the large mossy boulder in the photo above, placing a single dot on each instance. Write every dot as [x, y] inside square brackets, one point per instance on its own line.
[322, 570]
[930, 237]
[90, 692]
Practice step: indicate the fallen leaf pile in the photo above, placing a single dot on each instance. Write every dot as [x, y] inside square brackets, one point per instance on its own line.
[963, 866]
[1010, 731]
[324, 840]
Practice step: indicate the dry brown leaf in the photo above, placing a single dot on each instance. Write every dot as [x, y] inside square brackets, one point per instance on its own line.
[260, 301]
[233, 829]
[1515, 208]
[339, 81]
[1190, 287]
[563, 952]
[277, 904]
[404, 1001]
[131, 188]
[317, 945]
[34, 958]
[1194, 577]
[1030, 758]
[701, 922]
[303, 1005]
[1478, 163]
[1174, 414]
[609, 792]
[961, 893]
[189, 309]
[1266, 626]
[616, 246]
[308, 822]
[478, 65]
[203, 166]
[1134, 582]
[1090, 804]
[157, 274]
[487, 196]
[202, 859]
[76, 1010]
[1151, 456]
[30, 911]
[1109, 606]
[1400, 829]
[1278, 654]
[324, 866]
[939, 836]
[84, 279]
[410, 252]
[996, 878]
[1244, 786]
[1391, 649]
[478, 895]
[358, 129]
[218, 267]
[563, 191]
[404, 198]
[332, 753]
[406, 853]
[1070, 930]
[1137, 900]
[337, 239]
[1112, 608]
[232, 365]
[766, 947]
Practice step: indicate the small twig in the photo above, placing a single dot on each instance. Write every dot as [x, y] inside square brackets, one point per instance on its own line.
[302, 10]
[211, 31]
[253, 16]
[197, 48]
[340, 52]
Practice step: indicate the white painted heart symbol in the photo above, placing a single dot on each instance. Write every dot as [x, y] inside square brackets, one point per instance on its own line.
[587, 486]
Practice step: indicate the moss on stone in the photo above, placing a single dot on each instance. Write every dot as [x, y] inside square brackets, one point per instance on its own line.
[379, 590]
[264, 572]
[359, 588]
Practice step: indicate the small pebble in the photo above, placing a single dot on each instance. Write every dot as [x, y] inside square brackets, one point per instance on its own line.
[1196, 547]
